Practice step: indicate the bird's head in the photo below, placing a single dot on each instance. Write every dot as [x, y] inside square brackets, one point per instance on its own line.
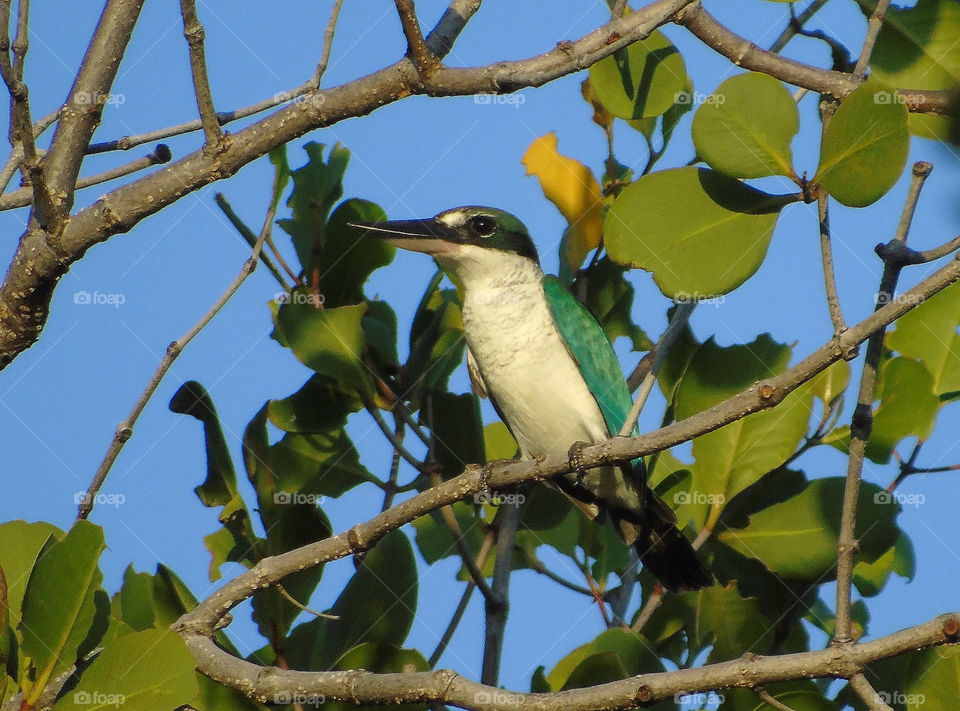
[469, 241]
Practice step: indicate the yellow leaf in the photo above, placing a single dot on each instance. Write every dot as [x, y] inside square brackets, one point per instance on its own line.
[570, 186]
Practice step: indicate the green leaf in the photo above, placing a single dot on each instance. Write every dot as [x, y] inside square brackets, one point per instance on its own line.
[20, 546]
[870, 578]
[281, 171]
[150, 671]
[735, 456]
[831, 383]
[380, 331]
[321, 405]
[316, 188]
[864, 147]
[134, 602]
[434, 539]
[315, 465]
[378, 604]
[436, 341]
[615, 650]
[700, 233]
[917, 49]
[929, 333]
[908, 407]
[328, 341]
[640, 80]
[498, 443]
[345, 263]
[731, 624]
[745, 127]
[933, 680]
[797, 539]
[220, 486]
[59, 610]
[457, 431]
[288, 526]
[610, 299]
[799, 695]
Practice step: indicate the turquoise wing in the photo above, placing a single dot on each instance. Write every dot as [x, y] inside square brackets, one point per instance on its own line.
[589, 346]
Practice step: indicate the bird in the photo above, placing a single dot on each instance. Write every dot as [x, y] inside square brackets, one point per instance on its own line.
[551, 373]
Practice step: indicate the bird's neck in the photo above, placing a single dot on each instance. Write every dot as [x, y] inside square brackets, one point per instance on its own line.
[483, 276]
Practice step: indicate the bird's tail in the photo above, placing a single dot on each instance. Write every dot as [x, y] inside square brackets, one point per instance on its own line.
[662, 547]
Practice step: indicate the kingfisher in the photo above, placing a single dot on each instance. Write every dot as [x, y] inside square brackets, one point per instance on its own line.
[545, 363]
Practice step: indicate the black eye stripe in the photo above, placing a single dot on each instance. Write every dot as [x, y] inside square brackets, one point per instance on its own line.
[483, 225]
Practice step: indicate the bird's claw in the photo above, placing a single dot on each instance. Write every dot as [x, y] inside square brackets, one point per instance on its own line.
[575, 457]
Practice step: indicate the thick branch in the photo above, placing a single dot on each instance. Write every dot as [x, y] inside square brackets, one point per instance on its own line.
[90, 91]
[194, 33]
[24, 196]
[862, 421]
[762, 395]
[745, 53]
[445, 686]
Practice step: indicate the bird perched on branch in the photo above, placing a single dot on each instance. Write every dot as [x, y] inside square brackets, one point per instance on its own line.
[550, 371]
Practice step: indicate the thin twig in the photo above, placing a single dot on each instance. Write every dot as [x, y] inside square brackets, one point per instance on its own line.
[941, 251]
[452, 625]
[327, 44]
[619, 7]
[680, 316]
[24, 196]
[865, 690]
[828, 107]
[125, 428]
[446, 514]
[21, 40]
[398, 446]
[391, 487]
[796, 24]
[16, 155]
[538, 566]
[862, 420]
[498, 605]
[873, 29]
[764, 696]
[250, 238]
[417, 50]
[194, 33]
[481, 560]
[299, 605]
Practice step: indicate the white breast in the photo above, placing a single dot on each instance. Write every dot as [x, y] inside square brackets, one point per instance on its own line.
[525, 365]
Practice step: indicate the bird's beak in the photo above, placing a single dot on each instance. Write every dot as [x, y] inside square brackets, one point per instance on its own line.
[427, 236]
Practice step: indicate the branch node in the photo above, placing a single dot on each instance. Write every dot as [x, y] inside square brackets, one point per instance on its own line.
[354, 541]
[644, 694]
[951, 629]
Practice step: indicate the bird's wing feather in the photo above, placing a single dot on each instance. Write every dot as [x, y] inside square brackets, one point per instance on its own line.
[476, 379]
[589, 346]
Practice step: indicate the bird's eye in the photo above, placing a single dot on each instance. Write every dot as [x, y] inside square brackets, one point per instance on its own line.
[483, 225]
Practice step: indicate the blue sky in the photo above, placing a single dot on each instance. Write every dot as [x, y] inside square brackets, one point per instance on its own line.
[60, 401]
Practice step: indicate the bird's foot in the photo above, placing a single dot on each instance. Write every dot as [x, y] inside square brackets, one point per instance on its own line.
[575, 457]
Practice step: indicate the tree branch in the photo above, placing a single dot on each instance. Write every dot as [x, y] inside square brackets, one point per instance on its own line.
[498, 604]
[745, 53]
[762, 395]
[37, 265]
[859, 683]
[445, 686]
[194, 33]
[873, 29]
[24, 196]
[125, 428]
[796, 24]
[417, 49]
[862, 420]
[327, 44]
[80, 114]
